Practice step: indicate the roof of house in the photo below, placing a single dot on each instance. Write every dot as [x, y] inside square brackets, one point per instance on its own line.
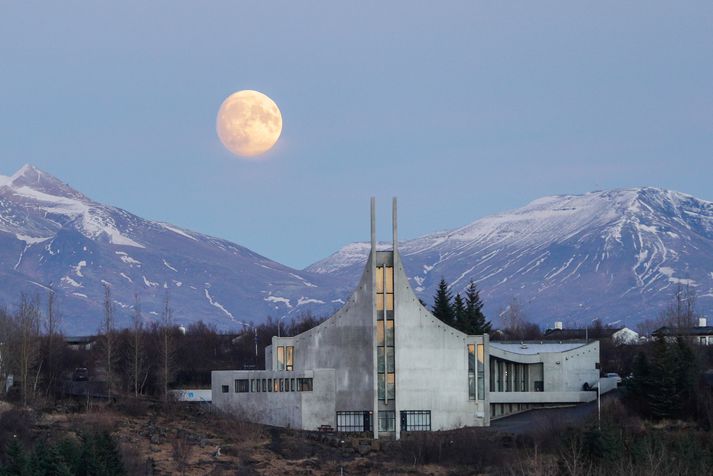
[593, 333]
[683, 331]
[530, 348]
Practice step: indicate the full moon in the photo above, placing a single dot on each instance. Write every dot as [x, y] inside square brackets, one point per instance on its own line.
[249, 123]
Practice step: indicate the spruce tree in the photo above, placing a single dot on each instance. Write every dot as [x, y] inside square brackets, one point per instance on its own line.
[476, 321]
[442, 307]
[459, 315]
[16, 462]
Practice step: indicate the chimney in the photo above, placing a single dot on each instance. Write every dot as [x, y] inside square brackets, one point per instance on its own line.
[702, 322]
[558, 325]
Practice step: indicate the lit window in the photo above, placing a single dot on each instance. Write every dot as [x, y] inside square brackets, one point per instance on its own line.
[290, 351]
[481, 372]
[281, 358]
[276, 385]
[380, 279]
[471, 371]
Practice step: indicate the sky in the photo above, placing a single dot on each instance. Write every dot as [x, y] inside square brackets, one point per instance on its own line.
[461, 109]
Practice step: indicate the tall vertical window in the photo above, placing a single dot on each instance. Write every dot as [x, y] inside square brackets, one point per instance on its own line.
[281, 358]
[387, 421]
[471, 371]
[386, 355]
[481, 372]
[290, 358]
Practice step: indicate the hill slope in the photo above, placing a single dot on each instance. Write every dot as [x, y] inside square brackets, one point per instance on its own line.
[51, 233]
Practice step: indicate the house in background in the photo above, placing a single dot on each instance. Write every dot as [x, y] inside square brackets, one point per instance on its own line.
[701, 334]
[616, 335]
[384, 365]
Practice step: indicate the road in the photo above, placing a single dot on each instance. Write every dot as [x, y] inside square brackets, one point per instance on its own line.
[541, 419]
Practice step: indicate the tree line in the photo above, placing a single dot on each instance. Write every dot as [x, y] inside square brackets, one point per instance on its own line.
[464, 314]
[146, 359]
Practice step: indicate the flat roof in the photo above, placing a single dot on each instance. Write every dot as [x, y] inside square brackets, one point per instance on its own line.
[531, 348]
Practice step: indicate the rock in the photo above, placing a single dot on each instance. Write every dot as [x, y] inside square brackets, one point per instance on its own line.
[155, 439]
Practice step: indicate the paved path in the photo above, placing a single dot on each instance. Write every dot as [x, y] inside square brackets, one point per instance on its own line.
[547, 418]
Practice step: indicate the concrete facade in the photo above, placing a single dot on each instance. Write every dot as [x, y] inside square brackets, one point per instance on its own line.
[384, 364]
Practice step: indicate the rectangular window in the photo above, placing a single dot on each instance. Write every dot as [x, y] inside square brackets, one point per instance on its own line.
[269, 385]
[390, 332]
[416, 420]
[282, 385]
[380, 359]
[380, 279]
[304, 384]
[354, 422]
[290, 366]
[390, 360]
[380, 303]
[293, 387]
[276, 385]
[253, 386]
[389, 278]
[242, 386]
[264, 385]
[391, 386]
[281, 358]
[471, 371]
[382, 386]
[387, 421]
[225, 388]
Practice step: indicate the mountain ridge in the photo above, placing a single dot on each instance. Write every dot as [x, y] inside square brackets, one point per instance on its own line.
[664, 237]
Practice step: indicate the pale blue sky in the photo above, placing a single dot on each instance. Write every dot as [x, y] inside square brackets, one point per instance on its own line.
[461, 109]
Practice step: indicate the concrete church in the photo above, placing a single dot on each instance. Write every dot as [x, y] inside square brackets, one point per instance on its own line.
[383, 364]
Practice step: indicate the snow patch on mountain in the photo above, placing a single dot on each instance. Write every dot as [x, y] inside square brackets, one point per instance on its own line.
[217, 304]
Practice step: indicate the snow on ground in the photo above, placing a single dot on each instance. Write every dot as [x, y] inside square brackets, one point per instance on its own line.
[150, 284]
[165, 263]
[177, 231]
[126, 277]
[94, 221]
[82, 295]
[78, 268]
[217, 304]
[303, 300]
[70, 282]
[127, 259]
[277, 299]
[31, 240]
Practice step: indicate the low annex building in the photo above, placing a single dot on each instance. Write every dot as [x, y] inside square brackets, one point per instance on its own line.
[383, 364]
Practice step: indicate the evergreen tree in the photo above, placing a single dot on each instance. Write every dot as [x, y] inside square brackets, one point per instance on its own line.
[442, 307]
[47, 460]
[476, 321]
[16, 463]
[459, 315]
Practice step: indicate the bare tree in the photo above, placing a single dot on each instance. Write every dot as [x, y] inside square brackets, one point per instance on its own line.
[515, 325]
[107, 331]
[139, 374]
[53, 339]
[28, 340]
[166, 335]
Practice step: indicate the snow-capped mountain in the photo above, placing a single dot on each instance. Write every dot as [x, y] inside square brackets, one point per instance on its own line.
[51, 233]
[615, 255]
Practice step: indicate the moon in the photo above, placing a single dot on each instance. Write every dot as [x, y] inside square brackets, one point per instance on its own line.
[248, 123]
